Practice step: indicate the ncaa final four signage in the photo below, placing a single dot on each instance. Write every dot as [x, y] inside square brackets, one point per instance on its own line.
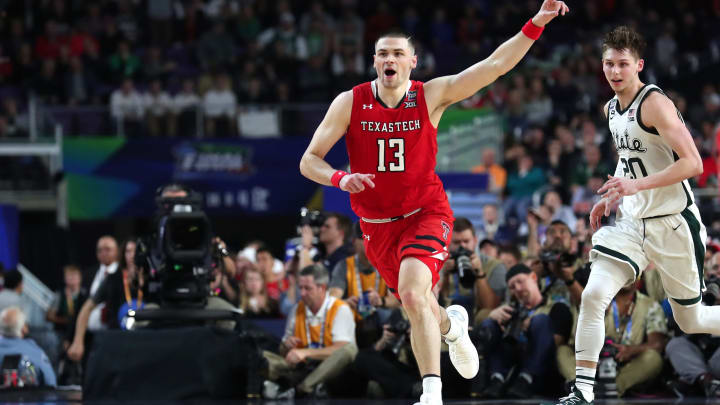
[115, 177]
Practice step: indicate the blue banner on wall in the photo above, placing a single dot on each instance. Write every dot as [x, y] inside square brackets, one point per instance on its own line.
[115, 177]
[9, 235]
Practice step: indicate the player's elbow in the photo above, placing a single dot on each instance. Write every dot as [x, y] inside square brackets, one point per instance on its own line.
[304, 165]
[697, 166]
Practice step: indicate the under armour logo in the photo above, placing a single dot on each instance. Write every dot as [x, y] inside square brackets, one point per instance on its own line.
[367, 237]
[366, 106]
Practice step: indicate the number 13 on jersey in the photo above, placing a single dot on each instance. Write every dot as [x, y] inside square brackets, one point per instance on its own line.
[395, 145]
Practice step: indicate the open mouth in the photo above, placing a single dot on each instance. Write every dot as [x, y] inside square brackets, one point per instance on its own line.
[390, 73]
[616, 81]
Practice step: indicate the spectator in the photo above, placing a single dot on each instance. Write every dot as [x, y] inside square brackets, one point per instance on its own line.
[286, 40]
[158, 105]
[126, 106]
[185, 110]
[248, 26]
[526, 321]
[539, 106]
[107, 256]
[215, 48]
[497, 175]
[123, 63]
[18, 124]
[160, 14]
[39, 371]
[223, 284]
[493, 226]
[121, 292]
[484, 288]
[47, 46]
[559, 211]
[522, 184]
[592, 163]
[79, 84]
[696, 359]
[319, 334]
[275, 281]
[489, 248]
[47, 86]
[313, 80]
[254, 299]
[220, 105]
[510, 256]
[334, 233]
[67, 302]
[12, 290]
[155, 67]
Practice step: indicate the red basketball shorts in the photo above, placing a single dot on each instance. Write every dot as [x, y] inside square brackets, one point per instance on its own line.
[424, 235]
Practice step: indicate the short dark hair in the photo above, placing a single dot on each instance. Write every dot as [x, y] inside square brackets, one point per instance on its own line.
[12, 279]
[486, 242]
[318, 272]
[264, 248]
[512, 250]
[343, 223]
[462, 224]
[624, 37]
[397, 34]
[561, 222]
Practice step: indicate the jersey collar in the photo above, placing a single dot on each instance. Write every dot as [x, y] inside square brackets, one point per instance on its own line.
[373, 85]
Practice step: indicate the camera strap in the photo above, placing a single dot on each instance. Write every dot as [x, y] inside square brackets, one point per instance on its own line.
[616, 317]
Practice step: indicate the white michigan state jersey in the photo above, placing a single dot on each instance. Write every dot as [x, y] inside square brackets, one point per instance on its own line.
[642, 152]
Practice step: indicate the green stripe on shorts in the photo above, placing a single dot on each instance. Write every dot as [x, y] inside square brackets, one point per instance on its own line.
[619, 256]
[699, 248]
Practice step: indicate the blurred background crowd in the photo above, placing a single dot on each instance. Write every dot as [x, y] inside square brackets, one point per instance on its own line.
[201, 68]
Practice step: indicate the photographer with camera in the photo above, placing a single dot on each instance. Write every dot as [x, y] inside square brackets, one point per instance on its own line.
[388, 366]
[635, 336]
[696, 358]
[319, 340]
[561, 267]
[521, 335]
[332, 237]
[470, 278]
[224, 284]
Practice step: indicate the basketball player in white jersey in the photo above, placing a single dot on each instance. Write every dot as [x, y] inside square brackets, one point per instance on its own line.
[657, 220]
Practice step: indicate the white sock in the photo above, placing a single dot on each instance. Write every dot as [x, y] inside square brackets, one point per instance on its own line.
[432, 385]
[454, 331]
[585, 381]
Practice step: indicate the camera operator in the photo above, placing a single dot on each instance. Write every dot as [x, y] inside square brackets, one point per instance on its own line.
[696, 358]
[561, 267]
[332, 236]
[224, 284]
[388, 363]
[471, 278]
[521, 335]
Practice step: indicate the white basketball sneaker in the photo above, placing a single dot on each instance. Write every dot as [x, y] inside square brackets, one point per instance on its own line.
[427, 399]
[463, 353]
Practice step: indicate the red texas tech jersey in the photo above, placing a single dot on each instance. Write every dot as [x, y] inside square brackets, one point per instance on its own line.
[398, 145]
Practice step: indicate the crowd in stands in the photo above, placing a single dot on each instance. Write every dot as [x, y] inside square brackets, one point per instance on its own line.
[153, 62]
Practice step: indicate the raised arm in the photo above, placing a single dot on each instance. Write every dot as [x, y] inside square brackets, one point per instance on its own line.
[447, 90]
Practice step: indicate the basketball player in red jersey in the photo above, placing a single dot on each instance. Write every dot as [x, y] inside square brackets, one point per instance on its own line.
[390, 125]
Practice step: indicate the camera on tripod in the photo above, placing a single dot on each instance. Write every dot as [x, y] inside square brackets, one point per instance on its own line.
[178, 254]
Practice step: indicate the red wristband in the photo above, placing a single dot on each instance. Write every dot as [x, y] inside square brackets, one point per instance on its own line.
[531, 30]
[336, 177]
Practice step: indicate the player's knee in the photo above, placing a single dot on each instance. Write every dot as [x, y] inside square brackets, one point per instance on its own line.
[594, 298]
[412, 300]
[688, 319]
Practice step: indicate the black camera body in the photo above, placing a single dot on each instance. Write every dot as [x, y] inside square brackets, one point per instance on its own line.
[178, 254]
[463, 267]
[712, 295]
[514, 326]
[553, 260]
